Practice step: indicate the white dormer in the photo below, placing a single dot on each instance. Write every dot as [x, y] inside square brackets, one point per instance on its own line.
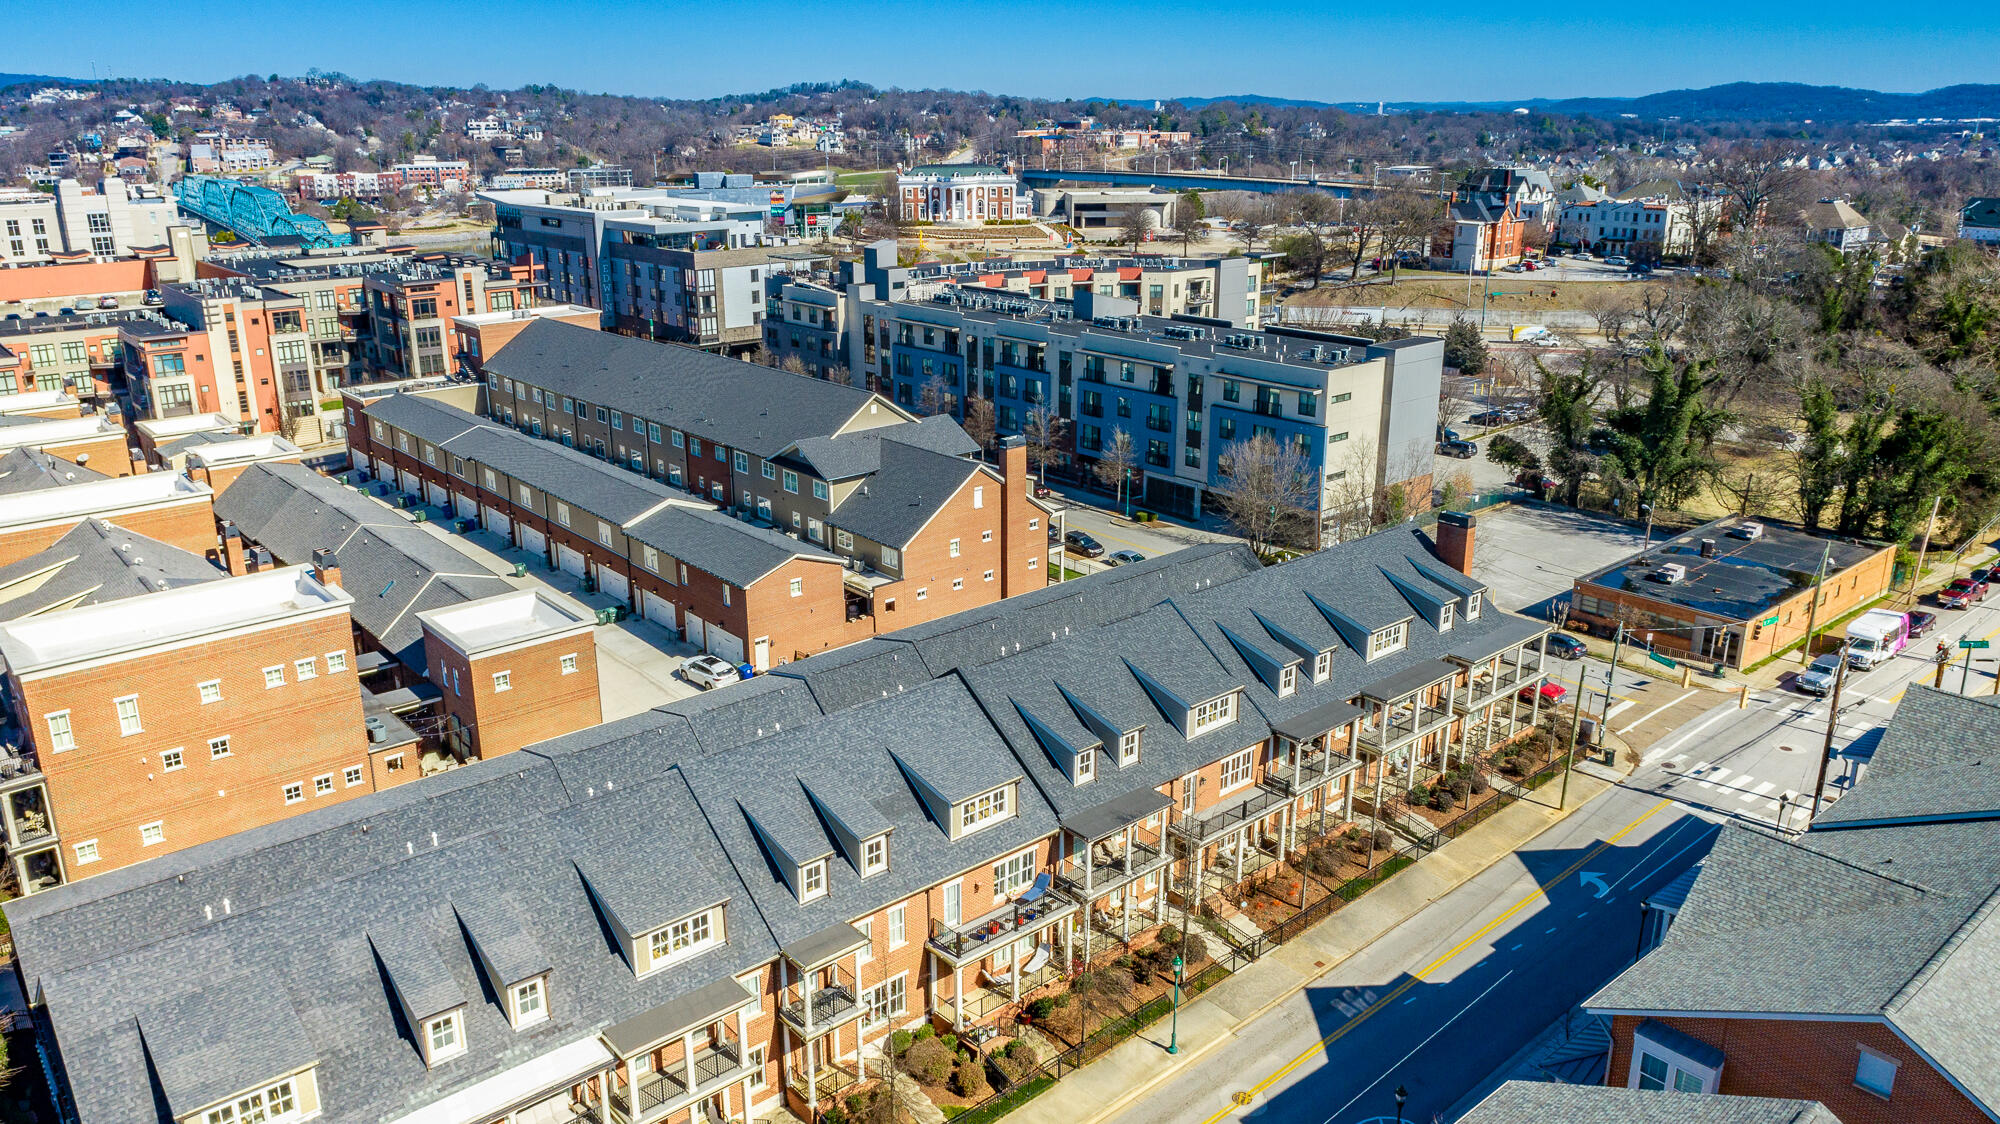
[810, 882]
[442, 1036]
[1216, 712]
[1084, 769]
[1323, 666]
[1128, 748]
[1288, 679]
[528, 1002]
[1447, 616]
[1384, 641]
[875, 854]
[1472, 601]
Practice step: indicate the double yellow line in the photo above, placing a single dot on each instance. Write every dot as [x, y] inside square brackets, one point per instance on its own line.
[1540, 891]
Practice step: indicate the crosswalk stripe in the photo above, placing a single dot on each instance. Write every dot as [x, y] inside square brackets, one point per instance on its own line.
[1764, 788]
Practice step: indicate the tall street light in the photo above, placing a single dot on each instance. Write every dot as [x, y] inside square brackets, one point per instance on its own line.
[1174, 1038]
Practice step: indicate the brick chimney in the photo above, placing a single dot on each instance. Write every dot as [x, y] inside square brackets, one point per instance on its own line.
[233, 555]
[139, 465]
[1454, 540]
[1015, 511]
[326, 567]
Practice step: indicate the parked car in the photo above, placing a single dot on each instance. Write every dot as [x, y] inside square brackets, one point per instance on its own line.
[107, 302]
[1818, 679]
[1463, 450]
[1447, 433]
[1079, 543]
[1552, 693]
[1566, 647]
[1536, 481]
[1984, 578]
[1616, 259]
[1958, 595]
[1921, 622]
[1517, 267]
[1581, 255]
[708, 672]
[1121, 557]
[153, 296]
[1488, 418]
[1973, 588]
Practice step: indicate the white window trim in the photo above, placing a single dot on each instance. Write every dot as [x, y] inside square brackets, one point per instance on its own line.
[997, 805]
[874, 866]
[138, 722]
[540, 1014]
[809, 873]
[202, 691]
[1242, 762]
[1218, 711]
[1128, 747]
[663, 936]
[457, 1020]
[1642, 1045]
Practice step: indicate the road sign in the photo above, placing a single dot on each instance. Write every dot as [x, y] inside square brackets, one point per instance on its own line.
[1660, 659]
[1975, 644]
[1770, 620]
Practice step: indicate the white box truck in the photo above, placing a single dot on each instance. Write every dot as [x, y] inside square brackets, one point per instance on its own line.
[1875, 636]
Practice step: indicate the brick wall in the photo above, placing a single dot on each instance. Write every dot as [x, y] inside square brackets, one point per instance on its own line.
[111, 784]
[540, 702]
[108, 454]
[1812, 1060]
[188, 524]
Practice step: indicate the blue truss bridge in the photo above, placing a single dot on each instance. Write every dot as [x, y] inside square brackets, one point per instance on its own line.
[256, 213]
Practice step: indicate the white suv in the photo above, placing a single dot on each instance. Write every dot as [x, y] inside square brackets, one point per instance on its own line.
[708, 671]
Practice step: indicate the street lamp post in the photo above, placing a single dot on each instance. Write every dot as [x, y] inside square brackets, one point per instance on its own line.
[1402, 1097]
[1174, 1036]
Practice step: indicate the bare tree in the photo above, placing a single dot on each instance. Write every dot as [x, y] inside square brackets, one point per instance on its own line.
[934, 397]
[1607, 307]
[1249, 217]
[1409, 219]
[1134, 224]
[1115, 461]
[1366, 217]
[1043, 429]
[1189, 216]
[979, 421]
[1760, 180]
[1268, 492]
[1347, 498]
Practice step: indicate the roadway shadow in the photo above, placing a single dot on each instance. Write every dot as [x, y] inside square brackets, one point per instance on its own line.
[1439, 1035]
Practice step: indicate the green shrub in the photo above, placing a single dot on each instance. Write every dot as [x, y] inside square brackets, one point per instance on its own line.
[899, 1042]
[923, 1032]
[1040, 1009]
[1021, 1049]
[1420, 795]
[950, 1042]
[1169, 935]
[1013, 1066]
[968, 1079]
[1479, 783]
[929, 1061]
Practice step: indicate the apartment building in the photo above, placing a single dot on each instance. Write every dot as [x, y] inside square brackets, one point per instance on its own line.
[431, 172]
[960, 193]
[599, 175]
[346, 185]
[484, 651]
[112, 220]
[1761, 987]
[232, 705]
[411, 309]
[924, 529]
[926, 827]
[162, 505]
[1184, 391]
[219, 154]
[482, 334]
[217, 460]
[78, 354]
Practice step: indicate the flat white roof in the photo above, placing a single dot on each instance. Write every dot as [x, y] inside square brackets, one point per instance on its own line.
[538, 312]
[157, 428]
[99, 497]
[34, 400]
[54, 431]
[502, 621]
[264, 446]
[97, 631]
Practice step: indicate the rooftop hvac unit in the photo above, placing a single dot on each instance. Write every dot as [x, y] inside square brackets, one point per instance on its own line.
[1673, 573]
[1748, 531]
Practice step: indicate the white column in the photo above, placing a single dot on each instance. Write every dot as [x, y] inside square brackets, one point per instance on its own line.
[958, 996]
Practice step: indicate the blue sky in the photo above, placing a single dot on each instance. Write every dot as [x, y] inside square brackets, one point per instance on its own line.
[1333, 50]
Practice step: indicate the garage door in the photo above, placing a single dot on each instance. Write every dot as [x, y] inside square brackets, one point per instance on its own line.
[697, 632]
[657, 609]
[533, 539]
[497, 522]
[465, 507]
[438, 495]
[570, 561]
[723, 644]
[384, 470]
[614, 583]
[408, 481]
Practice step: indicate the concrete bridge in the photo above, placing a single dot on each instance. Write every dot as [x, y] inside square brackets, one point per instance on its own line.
[1193, 181]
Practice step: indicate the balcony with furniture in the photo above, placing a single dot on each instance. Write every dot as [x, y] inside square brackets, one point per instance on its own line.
[1034, 909]
[1113, 844]
[1402, 708]
[675, 1054]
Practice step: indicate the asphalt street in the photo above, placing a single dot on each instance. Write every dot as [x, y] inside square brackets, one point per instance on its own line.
[1442, 1000]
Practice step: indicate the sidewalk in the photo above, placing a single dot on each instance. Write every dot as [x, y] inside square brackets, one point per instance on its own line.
[1140, 1064]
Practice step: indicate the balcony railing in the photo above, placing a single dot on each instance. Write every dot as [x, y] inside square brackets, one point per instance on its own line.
[1486, 686]
[831, 1007]
[1313, 767]
[1406, 722]
[1108, 868]
[1251, 804]
[668, 1091]
[996, 927]
[829, 1081]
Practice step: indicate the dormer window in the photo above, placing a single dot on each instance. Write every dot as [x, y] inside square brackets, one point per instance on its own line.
[276, 1102]
[1128, 748]
[1472, 606]
[874, 855]
[1322, 666]
[1387, 640]
[1086, 767]
[1446, 615]
[528, 1003]
[812, 881]
[444, 1037]
[986, 808]
[1288, 679]
[1213, 713]
[687, 937]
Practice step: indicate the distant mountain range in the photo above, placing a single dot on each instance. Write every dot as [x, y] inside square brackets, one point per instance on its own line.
[1737, 101]
[7, 80]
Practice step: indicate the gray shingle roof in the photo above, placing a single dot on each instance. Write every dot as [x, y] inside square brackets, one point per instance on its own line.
[1921, 768]
[394, 568]
[222, 1038]
[910, 488]
[97, 562]
[29, 470]
[737, 552]
[1903, 908]
[859, 453]
[1539, 1102]
[416, 971]
[761, 410]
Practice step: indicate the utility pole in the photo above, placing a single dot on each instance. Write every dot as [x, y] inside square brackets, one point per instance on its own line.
[1832, 717]
[1924, 547]
[1576, 717]
[1812, 611]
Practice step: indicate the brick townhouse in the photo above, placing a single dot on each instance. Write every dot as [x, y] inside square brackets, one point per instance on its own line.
[1846, 965]
[162, 505]
[93, 440]
[717, 908]
[890, 524]
[210, 705]
[492, 654]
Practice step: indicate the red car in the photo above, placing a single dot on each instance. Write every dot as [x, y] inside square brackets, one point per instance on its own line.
[1552, 693]
[1959, 594]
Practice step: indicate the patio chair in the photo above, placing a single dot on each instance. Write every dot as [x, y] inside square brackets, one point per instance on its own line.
[998, 981]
